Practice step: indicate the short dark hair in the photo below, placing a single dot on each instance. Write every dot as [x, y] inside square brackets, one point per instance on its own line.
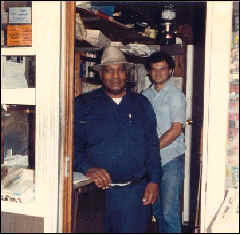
[158, 57]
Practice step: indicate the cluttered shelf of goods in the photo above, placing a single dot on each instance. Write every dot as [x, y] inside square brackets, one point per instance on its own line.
[96, 29]
[17, 184]
[112, 29]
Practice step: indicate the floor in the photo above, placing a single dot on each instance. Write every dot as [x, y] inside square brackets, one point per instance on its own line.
[186, 229]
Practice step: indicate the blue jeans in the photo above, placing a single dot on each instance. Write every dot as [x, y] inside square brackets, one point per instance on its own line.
[167, 209]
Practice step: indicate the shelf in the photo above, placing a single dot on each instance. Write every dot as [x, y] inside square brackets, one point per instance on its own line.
[84, 46]
[116, 31]
[23, 96]
[112, 29]
[22, 51]
[32, 208]
[172, 50]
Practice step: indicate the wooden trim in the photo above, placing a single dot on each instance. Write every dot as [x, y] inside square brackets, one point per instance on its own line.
[78, 83]
[69, 107]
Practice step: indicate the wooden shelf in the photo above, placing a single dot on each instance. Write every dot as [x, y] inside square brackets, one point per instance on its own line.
[112, 29]
[173, 50]
[116, 31]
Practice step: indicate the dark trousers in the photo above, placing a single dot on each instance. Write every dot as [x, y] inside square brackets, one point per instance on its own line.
[125, 212]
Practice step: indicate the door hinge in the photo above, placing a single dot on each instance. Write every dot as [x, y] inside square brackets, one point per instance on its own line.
[67, 166]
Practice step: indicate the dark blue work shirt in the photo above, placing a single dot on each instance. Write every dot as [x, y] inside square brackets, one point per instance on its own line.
[122, 138]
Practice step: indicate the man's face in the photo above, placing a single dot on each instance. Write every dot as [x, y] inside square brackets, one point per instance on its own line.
[114, 79]
[160, 72]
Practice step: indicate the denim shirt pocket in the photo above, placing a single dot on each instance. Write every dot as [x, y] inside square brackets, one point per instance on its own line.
[136, 131]
[95, 130]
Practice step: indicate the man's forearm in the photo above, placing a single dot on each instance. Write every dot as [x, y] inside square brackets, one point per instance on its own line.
[169, 136]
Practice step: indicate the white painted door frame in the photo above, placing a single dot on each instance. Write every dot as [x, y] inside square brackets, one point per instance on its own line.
[188, 131]
[216, 97]
[48, 47]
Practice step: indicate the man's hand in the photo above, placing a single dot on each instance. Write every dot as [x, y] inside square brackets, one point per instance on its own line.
[151, 193]
[100, 176]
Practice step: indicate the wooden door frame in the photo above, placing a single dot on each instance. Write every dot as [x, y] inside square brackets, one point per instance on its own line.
[68, 116]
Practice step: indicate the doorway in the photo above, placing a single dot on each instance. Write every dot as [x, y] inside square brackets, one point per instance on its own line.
[193, 14]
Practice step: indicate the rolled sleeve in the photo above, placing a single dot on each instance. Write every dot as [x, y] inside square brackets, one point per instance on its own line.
[178, 108]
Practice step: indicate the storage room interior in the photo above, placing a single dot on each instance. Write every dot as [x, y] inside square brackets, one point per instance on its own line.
[40, 81]
[131, 26]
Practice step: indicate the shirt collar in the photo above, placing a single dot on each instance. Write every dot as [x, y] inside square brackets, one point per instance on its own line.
[102, 92]
[164, 88]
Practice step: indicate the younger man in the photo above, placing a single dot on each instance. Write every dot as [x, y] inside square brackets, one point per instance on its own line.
[170, 108]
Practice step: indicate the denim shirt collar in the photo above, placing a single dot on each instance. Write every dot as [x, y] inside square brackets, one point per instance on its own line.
[163, 89]
[106, 97]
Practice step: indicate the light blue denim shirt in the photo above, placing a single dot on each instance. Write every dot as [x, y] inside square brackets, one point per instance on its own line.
[170, 106]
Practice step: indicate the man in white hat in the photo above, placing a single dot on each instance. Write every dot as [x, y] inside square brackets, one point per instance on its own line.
[116, 145]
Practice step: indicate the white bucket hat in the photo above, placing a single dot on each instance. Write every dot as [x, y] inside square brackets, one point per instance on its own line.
[112, 55]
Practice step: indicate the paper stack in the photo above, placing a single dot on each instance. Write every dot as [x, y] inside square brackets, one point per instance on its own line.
[18, 185]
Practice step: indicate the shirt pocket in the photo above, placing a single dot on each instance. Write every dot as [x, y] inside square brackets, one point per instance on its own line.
[95, 130]
[137, 131]
[163, 117]
[162, 109]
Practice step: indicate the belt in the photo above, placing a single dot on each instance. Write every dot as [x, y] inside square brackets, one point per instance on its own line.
[122, 184]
